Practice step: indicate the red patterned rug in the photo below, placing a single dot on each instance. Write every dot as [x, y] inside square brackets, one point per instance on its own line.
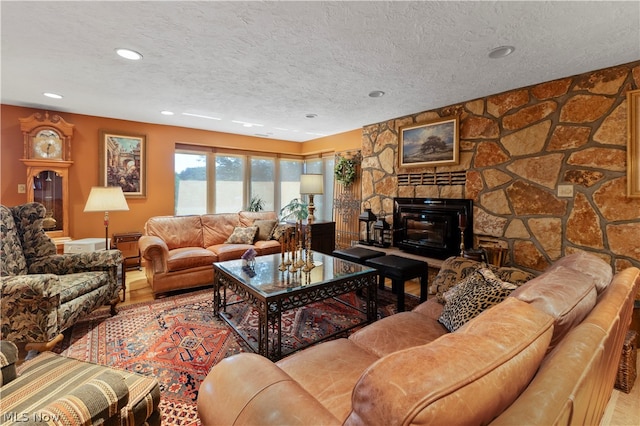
[178, 339]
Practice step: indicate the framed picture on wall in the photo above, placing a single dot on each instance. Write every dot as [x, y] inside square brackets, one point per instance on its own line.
[429, 144]
[633, 144]
[123, 162]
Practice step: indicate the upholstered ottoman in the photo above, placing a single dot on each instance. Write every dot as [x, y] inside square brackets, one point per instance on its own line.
[51, 386]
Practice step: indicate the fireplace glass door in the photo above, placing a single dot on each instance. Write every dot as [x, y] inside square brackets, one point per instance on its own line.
[426, 230]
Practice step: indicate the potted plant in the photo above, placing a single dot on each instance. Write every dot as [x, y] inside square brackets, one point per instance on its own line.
[256, 204]
[296, 209]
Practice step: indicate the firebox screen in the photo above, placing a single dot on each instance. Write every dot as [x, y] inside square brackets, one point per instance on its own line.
[423, 230]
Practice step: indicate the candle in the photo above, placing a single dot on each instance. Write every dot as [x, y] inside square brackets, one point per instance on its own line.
[462, 220]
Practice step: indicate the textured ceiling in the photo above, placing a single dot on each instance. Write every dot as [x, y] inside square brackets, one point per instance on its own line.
[273, 63]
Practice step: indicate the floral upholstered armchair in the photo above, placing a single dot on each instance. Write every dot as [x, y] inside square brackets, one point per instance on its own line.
[43, 293]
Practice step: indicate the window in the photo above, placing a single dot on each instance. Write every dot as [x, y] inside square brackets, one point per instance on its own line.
[229, 184]
[263, 181]
[190, 183]
[290, 171]
[207, 181]
[323, 166]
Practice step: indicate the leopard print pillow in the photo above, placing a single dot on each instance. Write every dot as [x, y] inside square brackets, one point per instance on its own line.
[466, 300]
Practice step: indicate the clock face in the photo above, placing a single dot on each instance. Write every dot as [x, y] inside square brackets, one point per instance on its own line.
[47, 144]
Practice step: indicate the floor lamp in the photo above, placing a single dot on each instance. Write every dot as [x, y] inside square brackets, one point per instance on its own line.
[106, 199]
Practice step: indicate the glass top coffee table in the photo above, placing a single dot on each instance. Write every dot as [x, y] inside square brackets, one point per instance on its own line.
[272, 292]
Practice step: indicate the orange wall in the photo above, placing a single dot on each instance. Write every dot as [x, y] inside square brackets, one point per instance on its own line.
[161, 141]
[340, 142]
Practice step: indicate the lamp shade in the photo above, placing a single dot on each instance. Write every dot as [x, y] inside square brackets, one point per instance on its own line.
[311, 184]
[106, 199]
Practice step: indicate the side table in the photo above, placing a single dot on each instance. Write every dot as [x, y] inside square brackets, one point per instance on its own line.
[400, 269]
[323, 235]
[127, 243]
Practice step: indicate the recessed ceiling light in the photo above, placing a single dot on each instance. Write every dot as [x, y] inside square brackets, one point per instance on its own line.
[501, 52]
[52, 95]
[201, 116]
[311, 115]
[376, 94]
[246, 124]
[129, 54]
[166, 112]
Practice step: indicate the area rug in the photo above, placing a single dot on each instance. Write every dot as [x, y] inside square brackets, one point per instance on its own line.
[178, 339]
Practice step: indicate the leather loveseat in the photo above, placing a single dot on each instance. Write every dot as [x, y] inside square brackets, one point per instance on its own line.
[546, 354]
[179, 250]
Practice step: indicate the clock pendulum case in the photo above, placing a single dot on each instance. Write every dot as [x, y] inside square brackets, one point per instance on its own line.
[47, 155]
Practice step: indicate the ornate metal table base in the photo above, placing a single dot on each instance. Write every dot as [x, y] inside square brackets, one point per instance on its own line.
[272, 300]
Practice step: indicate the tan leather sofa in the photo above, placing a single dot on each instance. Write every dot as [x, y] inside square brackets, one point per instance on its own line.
[179, 250]
[547, 354]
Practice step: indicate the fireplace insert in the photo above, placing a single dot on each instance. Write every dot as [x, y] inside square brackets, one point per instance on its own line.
[431, 226]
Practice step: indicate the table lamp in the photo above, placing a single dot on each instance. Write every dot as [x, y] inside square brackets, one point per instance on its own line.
[106, 199]
[311, 185]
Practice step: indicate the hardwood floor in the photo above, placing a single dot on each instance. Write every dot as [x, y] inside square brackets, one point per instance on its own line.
[623, 409]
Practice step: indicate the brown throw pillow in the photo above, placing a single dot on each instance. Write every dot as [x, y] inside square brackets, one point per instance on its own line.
[265, 227]
[279, 230]
[242, 235]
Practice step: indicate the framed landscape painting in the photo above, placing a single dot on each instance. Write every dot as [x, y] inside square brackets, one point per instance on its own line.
[122, 162]
[429, 144]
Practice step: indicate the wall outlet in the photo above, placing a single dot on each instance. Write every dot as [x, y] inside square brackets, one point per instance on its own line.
[22, 188]
[565, 190]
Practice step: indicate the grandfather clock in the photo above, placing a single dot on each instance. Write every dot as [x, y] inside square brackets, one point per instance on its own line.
[47, 155]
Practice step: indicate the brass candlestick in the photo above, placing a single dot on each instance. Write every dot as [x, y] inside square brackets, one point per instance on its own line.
[283, 247]
[299, 245]
[308, 266]
[293, 266]
[462, 224]
[287, 247]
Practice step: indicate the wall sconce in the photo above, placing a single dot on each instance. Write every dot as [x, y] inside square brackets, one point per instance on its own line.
[368, 218]
[381, 232]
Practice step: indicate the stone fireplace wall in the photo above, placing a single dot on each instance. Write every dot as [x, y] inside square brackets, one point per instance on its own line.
[516, 148]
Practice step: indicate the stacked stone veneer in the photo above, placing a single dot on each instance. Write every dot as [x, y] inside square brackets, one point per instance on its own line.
[517, 147]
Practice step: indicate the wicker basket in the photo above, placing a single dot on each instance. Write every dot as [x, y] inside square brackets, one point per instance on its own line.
[627, 368]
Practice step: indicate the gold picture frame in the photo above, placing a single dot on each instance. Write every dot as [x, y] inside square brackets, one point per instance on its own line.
[429, 144]
[123, 162]
[633, 144]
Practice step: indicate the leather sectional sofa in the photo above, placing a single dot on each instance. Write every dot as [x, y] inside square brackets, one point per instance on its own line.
[546, 354]
[179, 250]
